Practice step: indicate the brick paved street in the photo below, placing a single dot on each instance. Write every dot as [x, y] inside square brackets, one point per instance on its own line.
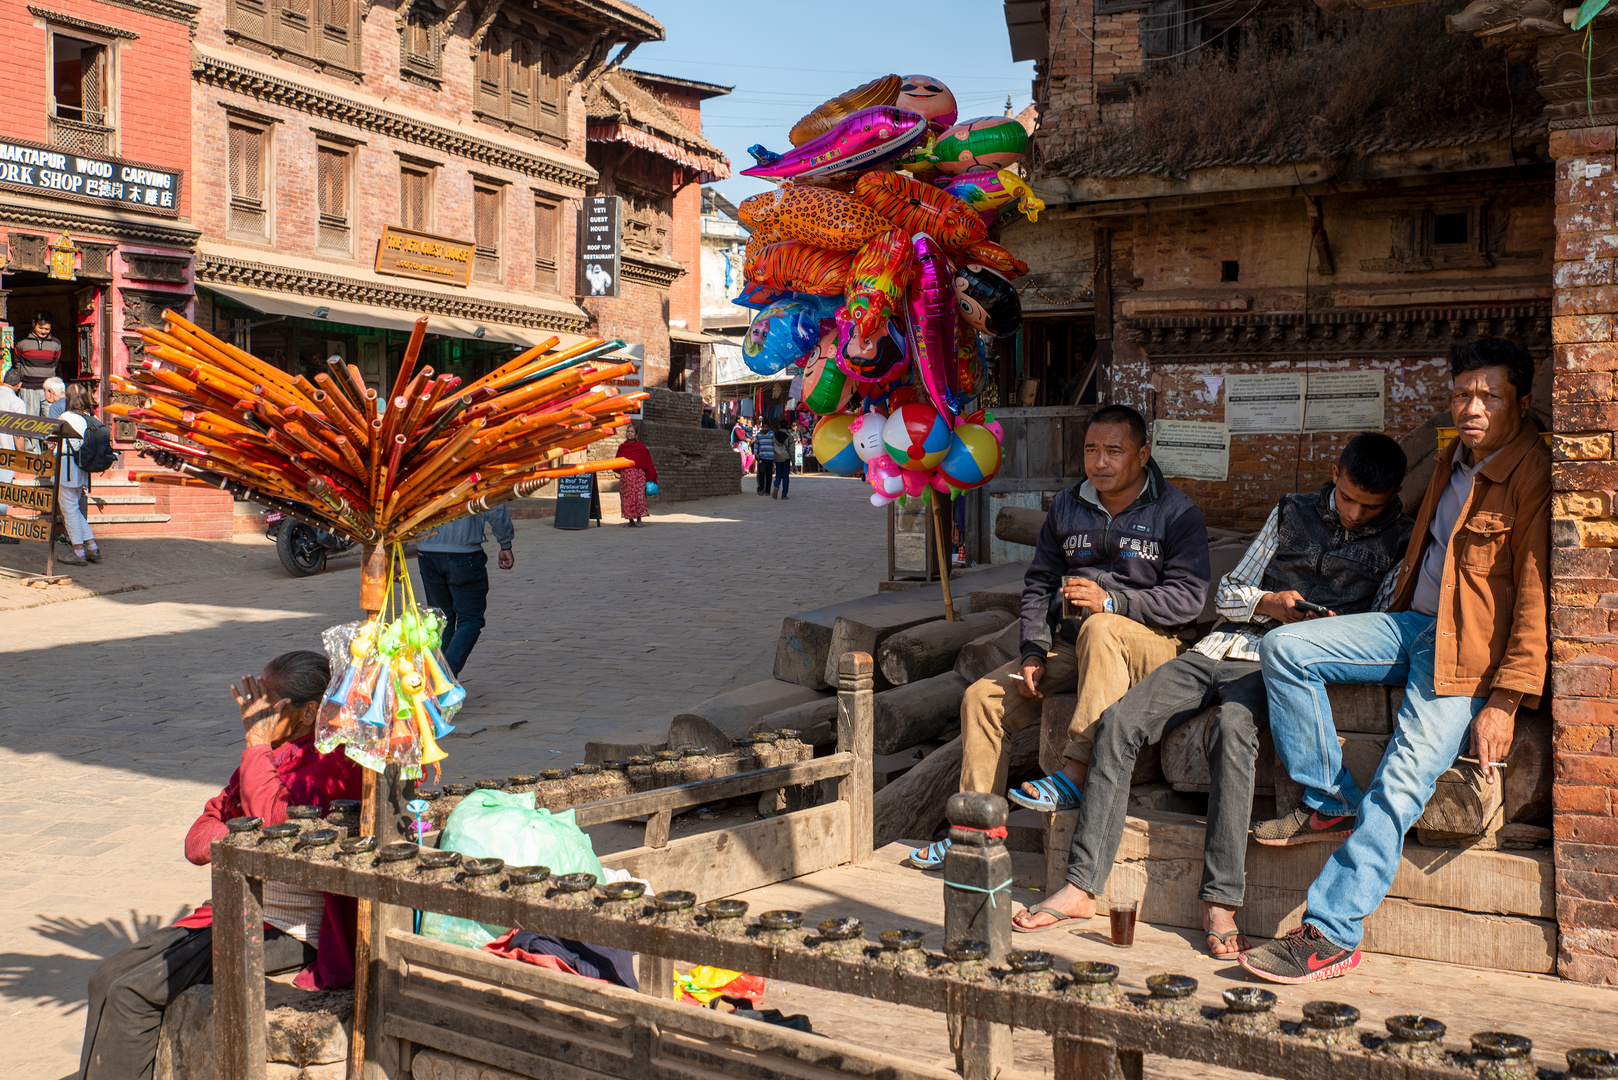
[118, 723]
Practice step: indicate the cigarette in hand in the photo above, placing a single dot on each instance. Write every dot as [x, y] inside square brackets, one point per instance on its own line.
[1019, 678]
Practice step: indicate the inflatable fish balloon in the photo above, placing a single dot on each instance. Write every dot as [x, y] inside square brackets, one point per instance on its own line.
[994, 193]
[821, 119]
[861, 140]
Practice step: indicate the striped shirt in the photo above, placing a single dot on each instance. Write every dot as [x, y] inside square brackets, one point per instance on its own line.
[1237, 635]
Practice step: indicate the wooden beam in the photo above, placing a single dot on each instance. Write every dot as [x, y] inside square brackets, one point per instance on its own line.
[856, 727]
[238, 974]
[1102, 289]
[699, 792]
[729, 861]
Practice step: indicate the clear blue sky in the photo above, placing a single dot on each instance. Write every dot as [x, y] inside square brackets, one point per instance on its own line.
[784, 57]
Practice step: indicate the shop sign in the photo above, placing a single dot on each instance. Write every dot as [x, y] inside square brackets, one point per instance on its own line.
[56, 174]
[411, 254]
[599, 246]
[33, 427]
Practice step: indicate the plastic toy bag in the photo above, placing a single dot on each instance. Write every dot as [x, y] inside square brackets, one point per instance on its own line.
[703, 984]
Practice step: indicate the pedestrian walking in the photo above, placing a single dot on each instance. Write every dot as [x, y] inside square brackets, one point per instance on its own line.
[632, 481]
[73, 490]
[304, 931]
[37, 356]
[455, 576]
[10, 402]
[741, 441]
[783, 461]
[764, 451]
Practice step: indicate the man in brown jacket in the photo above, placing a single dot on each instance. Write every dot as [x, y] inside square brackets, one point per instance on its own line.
[1465, 636]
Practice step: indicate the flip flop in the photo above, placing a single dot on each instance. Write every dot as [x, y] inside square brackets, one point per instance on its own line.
[1061, 917]
[1222, 938]
[930, 857]
[1056, 792]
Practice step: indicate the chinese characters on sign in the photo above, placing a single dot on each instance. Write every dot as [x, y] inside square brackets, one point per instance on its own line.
[405, 253]
[88, 179]
[598, 246]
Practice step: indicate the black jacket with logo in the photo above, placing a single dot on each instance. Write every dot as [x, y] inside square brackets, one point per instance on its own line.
[1152, 559]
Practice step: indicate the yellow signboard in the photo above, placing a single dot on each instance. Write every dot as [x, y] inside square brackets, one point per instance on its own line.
[407, 253]
[34, 498]
[21, 529]
[23, 461]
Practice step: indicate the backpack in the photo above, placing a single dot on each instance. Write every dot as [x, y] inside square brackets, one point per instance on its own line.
[95, 448]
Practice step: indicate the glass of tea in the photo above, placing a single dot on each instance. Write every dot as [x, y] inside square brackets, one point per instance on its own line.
[1123, 921]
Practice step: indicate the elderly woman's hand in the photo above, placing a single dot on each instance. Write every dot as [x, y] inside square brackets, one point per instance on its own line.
[260, 713]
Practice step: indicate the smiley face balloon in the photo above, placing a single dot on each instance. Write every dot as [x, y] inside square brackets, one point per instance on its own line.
[930, 97]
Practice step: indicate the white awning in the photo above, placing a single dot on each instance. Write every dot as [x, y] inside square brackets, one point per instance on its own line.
[338, 311]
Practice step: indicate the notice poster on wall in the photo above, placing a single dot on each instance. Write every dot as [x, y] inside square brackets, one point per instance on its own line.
[1344, 401]
[1191, 450]
[1264, 403]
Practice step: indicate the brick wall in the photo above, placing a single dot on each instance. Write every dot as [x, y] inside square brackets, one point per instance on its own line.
[692, 462]
[685, 295]
[639, 314]
[1064, 82]
[1584, 533]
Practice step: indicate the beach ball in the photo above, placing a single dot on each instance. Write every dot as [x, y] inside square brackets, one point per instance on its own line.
[834, 445]
[916, 436]
[973, 457]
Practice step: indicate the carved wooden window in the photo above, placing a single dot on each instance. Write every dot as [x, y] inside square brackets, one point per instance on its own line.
[645, 220]
[320, 33]
[81, 96]
[1445, 234]
[547, 241]
[421, 41]
[248, 177]
[416, 198]
[486, 232]
[520, 83]
[334, 170]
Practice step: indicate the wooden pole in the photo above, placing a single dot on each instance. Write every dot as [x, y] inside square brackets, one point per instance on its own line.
[940, 522]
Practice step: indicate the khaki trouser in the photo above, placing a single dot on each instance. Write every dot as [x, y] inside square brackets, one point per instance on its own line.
[1112, 654]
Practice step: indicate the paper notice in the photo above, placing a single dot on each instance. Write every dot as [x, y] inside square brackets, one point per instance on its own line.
[1192, 450]
[1255, 403]
[1345, 401]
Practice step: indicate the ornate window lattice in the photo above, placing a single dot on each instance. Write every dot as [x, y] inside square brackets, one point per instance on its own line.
[547, 220]
[520, 83]
[421, 41]
[332, 172]
[318, 33]
[81, 118]
[416, 198]
[247, 171]
[646, 220]
[486, 232]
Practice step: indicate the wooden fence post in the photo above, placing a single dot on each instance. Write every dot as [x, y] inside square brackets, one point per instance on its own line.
[1094, 1059]
[238, 975]
[856, 721]
[977, 907]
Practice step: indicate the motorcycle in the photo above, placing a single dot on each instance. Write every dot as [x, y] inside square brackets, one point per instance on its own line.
[302, 549]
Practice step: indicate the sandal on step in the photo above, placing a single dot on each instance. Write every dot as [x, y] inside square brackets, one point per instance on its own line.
[1061, 917]
[1213, 935]
[930, 857]
[1056, 792]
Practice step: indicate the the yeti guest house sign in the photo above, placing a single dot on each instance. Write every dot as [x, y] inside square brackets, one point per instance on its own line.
[599, 238]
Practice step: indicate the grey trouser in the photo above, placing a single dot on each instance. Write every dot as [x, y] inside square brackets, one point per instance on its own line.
[1155, 706]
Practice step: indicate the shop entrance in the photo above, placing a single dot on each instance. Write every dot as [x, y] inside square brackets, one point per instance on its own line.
[1056, 364]
[72, 308]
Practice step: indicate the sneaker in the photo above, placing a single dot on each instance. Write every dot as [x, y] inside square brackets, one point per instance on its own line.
[93, 554]
[1303, 826]
[70, 558]
[775, 494]
[9, 540]
[1305, 955]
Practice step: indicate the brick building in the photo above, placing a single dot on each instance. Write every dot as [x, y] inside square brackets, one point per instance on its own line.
[646, 143]
[1388, 190]
[96, 196]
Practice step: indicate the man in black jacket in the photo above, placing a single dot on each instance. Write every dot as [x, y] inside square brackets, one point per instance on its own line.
[1128, 552]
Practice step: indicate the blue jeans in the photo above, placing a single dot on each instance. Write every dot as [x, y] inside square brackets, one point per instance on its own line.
[457, 583]
[1430, 732]
[783, 476]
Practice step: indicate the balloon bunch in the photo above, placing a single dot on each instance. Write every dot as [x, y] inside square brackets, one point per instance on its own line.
[330, 453]
[391, 695]
[872, 269]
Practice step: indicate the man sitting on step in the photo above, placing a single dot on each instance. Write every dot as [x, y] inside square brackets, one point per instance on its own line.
[1465, 636]
[1128, 552]
[1318, 555]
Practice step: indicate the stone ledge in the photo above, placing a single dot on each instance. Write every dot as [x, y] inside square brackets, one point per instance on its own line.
[307, 1034]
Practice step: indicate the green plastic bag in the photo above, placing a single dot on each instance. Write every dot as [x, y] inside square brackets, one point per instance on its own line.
[504, 825]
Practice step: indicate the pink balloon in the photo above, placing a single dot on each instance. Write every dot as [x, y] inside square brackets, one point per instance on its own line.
[932, 322]
[887, 480]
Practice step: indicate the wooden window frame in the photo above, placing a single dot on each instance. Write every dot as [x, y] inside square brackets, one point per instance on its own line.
[486, 263]
[548, 272]
[331, 224]
[538, 111]
[429, 194]
[236, 203]
[426, 67]
[109, 90]
[304, 32]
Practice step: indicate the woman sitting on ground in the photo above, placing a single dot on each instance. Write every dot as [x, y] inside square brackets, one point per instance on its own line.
[280, 767]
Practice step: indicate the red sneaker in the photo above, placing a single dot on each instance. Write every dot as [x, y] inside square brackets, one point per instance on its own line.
[1305, 955]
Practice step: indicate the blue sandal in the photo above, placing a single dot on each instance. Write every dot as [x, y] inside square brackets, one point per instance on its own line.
[1056, 792]
[930, 857]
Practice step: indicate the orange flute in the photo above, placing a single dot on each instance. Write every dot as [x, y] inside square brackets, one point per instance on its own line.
[412, 350]
[518, 362]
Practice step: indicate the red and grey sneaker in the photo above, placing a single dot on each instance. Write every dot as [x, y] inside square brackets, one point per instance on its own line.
[1303, 826]
[1305, 955]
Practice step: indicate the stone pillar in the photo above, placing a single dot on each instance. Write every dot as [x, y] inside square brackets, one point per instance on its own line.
[1584, 534]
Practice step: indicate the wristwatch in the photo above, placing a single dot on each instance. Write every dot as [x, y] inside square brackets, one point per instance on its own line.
[1107, 607]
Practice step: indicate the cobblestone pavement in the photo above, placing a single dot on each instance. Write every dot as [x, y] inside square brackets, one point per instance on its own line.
[118, 724]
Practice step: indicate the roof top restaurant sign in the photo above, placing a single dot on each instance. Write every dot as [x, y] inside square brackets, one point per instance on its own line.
[411, 254]
[40, 170]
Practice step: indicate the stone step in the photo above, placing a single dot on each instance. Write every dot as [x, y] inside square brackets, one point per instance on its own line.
[128, 519]
[97, 498]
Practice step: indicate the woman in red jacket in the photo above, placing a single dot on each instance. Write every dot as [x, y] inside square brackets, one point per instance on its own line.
[632, 481]
[280, 767]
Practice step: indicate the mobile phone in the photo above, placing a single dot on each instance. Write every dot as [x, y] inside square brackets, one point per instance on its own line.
[1313, 609]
